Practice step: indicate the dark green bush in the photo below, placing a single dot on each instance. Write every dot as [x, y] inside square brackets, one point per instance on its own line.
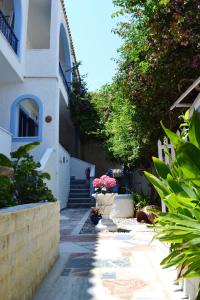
[27, 184]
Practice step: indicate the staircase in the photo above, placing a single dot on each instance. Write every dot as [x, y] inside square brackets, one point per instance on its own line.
[79, 196]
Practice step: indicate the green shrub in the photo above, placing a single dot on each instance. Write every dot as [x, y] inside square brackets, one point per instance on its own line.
[141, 200]
[27, 184]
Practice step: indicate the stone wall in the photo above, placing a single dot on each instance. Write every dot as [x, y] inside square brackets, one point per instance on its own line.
[29, 239]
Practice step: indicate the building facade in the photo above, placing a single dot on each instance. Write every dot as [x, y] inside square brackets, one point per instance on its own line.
[36, 61]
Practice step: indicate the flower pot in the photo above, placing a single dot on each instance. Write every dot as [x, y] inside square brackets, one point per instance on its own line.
[95, 219]
[123, 206]
[104, 202]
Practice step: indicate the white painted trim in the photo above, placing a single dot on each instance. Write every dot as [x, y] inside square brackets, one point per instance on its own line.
[195, 83]
[6, 131]
[183, 105]
[45, 158]
[196, 102]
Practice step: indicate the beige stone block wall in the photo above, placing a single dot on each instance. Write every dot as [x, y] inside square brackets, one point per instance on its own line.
[29, 243]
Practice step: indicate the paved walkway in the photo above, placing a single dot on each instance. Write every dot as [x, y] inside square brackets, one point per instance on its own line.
[107, 266]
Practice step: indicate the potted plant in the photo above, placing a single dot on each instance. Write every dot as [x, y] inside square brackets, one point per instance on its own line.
[103, 194]
[104, 201]
[95, 215]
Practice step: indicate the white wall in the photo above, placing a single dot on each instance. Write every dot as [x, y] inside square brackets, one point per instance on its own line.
[13, 66]
[78, 168]
[39, 21]
[5, 142]
[48, 92]
[33, 62]
[39, 76]
[45, 62]
[47, 162]
[9, 63]
[64, 176]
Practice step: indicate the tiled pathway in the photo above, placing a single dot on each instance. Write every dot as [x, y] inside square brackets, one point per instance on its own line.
[107, 266]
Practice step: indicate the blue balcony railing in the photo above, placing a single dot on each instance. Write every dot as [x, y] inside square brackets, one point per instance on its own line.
[8, 32]
[62, 74]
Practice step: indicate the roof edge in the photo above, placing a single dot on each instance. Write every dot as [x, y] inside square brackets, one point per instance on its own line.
[70, 35]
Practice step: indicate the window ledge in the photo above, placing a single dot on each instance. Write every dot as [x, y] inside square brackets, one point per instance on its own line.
[27, 139]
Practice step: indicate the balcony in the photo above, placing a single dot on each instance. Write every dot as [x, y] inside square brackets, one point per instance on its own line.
[62, 74]
[8, 32]
[11, 68]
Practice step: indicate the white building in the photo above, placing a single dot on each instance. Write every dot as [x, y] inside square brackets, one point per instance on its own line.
[36, 60]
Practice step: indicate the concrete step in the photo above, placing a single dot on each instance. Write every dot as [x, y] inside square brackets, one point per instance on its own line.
[79, 205]
[79, 191]
[78, 181]
[79, 195]
[78, 186]
[80, 200]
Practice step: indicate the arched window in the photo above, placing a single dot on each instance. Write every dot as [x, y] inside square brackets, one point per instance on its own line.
[26, 119]
[65, 63]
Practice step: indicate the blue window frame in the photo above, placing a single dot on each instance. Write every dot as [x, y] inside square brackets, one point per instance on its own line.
[23, 126]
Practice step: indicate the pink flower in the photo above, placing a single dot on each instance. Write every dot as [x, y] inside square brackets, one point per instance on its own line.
[104, 182]
[104, 177]
[110, 182]
[97, 183]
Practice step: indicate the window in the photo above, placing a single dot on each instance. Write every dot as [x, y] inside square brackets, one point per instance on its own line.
[27, 126]
[26, 119]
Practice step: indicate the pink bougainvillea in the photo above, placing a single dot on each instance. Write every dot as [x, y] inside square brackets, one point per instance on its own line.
[104, 182]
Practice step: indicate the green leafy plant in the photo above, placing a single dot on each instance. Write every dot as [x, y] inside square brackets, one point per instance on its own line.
[27, 185]
[178, 185]
[6, 192]
[140, 200]
[6, 184]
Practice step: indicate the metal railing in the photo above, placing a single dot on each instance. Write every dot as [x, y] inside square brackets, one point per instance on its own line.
[8, 32]
[62, 74]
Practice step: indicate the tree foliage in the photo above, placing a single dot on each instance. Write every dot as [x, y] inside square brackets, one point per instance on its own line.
[83, 113]
[158, 60]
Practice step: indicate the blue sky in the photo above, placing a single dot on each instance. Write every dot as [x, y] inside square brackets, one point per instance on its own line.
[95, 44]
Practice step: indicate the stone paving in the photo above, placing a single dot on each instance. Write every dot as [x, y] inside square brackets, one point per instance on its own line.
[108, 266]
